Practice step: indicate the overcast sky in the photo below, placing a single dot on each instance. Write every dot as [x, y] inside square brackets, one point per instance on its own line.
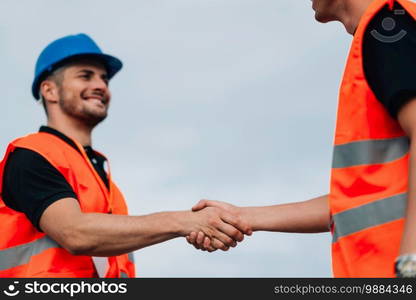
[230, 100]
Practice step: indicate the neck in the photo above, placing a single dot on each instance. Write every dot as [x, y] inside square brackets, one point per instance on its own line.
[350, 13]
[75, 130]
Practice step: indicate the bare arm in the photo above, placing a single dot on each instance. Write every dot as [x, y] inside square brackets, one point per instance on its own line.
[407, 119]
[310, 216]
[106, 235]
[302, 217]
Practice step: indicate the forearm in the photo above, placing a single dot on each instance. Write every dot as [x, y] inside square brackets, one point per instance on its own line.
[107, 235]
[101, 234]
[310, 216]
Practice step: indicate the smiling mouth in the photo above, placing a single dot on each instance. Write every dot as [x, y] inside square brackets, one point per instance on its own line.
[96, 99]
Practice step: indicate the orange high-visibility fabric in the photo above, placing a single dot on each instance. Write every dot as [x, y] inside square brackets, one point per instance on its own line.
[362, 122]
[26, 252]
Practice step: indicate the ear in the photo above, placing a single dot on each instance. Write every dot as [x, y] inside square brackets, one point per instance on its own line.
[49, 91]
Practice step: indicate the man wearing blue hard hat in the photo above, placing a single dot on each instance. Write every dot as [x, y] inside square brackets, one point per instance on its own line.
[61, 213]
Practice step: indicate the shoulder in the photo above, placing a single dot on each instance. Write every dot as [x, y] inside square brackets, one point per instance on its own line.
[23, 154]
[389, 44]
[49, 146]
[22, 159]
[37, 140]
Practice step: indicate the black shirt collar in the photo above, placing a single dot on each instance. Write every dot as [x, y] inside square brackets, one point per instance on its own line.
[92, 155]
[90, 151]
[59, 135]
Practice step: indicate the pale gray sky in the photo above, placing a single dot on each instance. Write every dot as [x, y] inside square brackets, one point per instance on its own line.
[229, 100]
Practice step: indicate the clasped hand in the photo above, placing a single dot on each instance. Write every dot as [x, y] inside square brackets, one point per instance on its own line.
[223, 227]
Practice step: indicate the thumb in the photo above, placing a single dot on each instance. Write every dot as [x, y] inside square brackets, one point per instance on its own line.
[200, 205]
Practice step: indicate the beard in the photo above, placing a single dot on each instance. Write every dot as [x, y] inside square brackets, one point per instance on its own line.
[83, 113]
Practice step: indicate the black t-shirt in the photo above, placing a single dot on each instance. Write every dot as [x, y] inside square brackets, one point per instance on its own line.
[31, 183]
[389, 57]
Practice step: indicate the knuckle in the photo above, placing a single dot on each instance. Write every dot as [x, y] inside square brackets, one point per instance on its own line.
[213, 222]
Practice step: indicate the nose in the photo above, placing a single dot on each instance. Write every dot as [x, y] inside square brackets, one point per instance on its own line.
[99, 86]
[99, 83]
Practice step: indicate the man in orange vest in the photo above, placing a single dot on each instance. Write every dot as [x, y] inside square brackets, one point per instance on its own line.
[371, 207]
[61, 213]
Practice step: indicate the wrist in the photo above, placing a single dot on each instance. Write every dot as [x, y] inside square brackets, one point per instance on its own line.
[181, 223]
[247, 215]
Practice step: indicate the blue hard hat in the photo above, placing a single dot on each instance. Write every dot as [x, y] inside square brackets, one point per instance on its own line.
[66, 48]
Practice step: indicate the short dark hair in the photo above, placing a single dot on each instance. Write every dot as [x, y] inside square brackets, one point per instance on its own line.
[55, 76]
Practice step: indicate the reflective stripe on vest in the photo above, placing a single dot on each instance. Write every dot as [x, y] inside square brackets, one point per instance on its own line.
[124, 274]
[130, 255]
[22, 254]
[369, 152]
[369, 215]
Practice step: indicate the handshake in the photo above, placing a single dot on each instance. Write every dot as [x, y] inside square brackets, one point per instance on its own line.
[216, 225]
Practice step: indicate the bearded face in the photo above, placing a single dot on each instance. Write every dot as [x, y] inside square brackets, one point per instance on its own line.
[83, 93]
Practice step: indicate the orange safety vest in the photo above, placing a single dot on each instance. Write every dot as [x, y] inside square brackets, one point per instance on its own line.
[369, 175]
[26, 252]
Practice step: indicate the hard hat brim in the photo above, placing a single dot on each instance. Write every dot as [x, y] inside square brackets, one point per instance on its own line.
[111, 63]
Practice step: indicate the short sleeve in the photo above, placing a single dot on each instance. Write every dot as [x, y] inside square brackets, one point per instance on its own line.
[389, 58]
[31, 184]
